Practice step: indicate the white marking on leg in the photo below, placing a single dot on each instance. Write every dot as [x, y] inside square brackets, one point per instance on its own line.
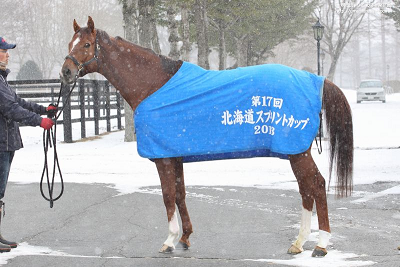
[173, 227]
[323, 238]
[77, 40]
[305, 229]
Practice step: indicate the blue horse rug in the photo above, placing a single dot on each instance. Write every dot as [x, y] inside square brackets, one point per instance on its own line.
[258, 111]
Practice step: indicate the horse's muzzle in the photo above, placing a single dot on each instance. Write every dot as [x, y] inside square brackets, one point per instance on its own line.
[67, 75]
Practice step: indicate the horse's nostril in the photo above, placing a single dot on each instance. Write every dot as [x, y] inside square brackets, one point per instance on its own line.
[66, 72]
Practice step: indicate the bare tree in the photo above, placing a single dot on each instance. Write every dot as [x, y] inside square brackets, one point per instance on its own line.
[341, 19]
[42, 29]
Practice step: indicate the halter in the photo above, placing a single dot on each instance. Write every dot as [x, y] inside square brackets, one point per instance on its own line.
[81, 66]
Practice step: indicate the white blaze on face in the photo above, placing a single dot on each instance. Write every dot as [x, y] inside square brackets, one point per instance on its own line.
[77, 40]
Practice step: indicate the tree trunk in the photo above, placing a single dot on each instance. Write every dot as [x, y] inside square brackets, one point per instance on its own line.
[222, 46]
[205, 25]
[356, 61]
[397, 55]
[200, 20]
[173, 33]
[383, 48]
[332, 68]
[129, 12]
[145, 26]
[369, 48]
[185, 34]
[241, 51]
[155, 41]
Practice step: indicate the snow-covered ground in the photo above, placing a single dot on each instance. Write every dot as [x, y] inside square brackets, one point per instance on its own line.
[110, 161]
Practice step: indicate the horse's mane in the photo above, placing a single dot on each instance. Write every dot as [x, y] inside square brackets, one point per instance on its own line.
[169, 65]
[124, 41]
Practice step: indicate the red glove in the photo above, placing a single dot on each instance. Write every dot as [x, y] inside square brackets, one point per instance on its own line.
[51, 111]
[46, 123]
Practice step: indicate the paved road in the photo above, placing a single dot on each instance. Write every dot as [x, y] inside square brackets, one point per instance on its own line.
[92, 226]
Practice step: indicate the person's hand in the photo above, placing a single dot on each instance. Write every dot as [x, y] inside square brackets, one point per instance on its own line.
[47, 123]
[51, 111]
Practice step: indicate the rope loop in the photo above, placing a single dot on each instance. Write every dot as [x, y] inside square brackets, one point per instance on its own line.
[50, 142]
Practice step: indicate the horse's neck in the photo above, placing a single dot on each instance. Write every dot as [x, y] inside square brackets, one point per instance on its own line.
[134, 71]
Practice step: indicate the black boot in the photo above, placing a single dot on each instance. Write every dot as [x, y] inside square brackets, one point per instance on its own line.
[3, 242]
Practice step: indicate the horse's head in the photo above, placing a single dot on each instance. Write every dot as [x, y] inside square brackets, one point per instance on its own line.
[83, 52]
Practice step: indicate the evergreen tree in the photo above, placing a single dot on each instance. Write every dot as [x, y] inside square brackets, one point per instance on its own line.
[250, 30]
[395, 14]
[30, 71]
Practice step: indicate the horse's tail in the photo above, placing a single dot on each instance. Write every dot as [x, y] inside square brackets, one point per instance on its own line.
[339, 125]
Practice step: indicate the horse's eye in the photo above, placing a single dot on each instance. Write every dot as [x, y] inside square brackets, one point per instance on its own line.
[87, 45]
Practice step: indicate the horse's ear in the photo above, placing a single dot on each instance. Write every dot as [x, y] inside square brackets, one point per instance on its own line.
[76, 26]
[90, 24]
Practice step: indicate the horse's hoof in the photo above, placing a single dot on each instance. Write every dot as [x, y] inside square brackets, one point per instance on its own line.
[182, 246]
[319, 252]
[294, 250]
[166, 249]
[398, 247]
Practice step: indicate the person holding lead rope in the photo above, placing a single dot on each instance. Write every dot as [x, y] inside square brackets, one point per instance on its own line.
[14, 110]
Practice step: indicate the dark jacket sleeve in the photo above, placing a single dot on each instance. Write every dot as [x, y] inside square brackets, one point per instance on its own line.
[14, 108]
[31, 106]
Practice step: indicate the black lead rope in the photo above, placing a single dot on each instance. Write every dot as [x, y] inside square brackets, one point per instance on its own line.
[50, 141]
[319, 147]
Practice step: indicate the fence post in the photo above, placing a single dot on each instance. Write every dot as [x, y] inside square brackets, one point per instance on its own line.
[52, 94]
[67, 114]
[96, 106]
[88, 98]
[108, 105]
[118, 96]
[82, 107]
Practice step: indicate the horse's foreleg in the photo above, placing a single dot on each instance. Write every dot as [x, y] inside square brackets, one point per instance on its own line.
[167, 173]
[311, 186]
[181, 203]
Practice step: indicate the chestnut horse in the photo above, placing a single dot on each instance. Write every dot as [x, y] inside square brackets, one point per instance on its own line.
[138, 72]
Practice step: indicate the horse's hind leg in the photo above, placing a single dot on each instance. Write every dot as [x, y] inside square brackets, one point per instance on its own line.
[311, 187]
[305, 224]
[181, 203]
[167, 173]
[323, 217]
